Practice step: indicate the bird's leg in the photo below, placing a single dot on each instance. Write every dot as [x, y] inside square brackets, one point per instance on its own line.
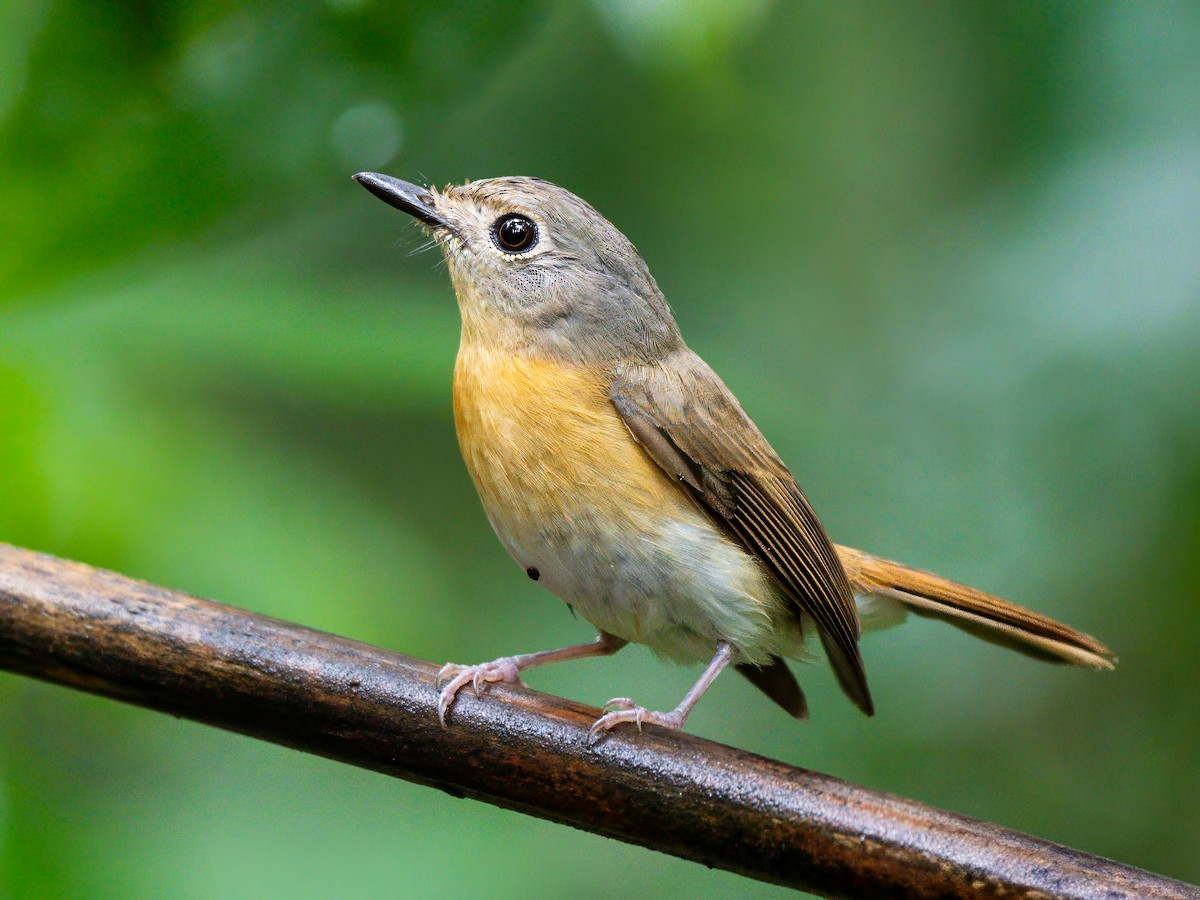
[622, 709]
[508, 668]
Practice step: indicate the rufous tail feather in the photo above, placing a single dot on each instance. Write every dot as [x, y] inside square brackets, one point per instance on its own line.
[974, 611]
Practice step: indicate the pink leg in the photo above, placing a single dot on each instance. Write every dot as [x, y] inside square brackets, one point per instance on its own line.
[508, 668]
[622, 709]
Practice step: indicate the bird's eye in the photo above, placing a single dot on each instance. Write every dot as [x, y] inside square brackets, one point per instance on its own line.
[514, 233]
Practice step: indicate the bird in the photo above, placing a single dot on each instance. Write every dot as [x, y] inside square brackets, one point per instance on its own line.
[619, 471]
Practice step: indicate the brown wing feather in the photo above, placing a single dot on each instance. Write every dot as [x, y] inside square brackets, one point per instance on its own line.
[690, 423]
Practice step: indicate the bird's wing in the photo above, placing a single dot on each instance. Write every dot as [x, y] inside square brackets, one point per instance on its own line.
[690, 423]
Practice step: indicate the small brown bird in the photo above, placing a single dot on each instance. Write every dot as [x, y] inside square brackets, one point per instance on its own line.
[620, 472]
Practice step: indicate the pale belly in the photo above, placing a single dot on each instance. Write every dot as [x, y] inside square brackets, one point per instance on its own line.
[577, 502]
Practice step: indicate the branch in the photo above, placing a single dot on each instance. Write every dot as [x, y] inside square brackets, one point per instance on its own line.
[107, 634]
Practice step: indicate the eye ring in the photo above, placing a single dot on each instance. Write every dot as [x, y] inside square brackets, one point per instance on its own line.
[515, 233]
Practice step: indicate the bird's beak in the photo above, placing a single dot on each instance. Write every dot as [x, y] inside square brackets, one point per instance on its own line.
[411, 198]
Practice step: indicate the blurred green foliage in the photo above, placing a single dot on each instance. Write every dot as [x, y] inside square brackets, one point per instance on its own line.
[946, 254]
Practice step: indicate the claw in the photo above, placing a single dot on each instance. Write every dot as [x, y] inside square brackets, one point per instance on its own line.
[457, 677]
[444, 673]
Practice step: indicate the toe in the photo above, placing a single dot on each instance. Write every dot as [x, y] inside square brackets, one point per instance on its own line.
[638, 715]
[619, 703]
[449, 692]
[446, 672]
[599, 728]
[611, 720]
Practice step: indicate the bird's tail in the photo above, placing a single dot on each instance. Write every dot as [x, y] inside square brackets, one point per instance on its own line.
[974, 611]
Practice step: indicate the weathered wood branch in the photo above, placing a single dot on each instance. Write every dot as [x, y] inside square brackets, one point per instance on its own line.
[110, 635]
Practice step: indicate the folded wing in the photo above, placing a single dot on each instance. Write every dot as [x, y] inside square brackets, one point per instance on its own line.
[692, 426]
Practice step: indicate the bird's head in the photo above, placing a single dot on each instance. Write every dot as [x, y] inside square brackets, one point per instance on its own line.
[536, 266]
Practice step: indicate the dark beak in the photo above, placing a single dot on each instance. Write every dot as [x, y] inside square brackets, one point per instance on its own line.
[411, 198]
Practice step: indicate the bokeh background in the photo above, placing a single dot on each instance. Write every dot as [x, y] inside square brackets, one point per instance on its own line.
[948, 256]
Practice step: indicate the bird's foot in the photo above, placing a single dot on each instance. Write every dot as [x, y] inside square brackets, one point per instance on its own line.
[622, 709]
[456, 677]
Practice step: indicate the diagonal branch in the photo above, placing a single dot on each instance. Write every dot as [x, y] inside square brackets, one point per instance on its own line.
[110, 635]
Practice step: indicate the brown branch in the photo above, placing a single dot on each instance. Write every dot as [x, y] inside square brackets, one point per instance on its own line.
[100, 632]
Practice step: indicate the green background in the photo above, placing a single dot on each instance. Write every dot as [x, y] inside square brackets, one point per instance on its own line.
[947, 255]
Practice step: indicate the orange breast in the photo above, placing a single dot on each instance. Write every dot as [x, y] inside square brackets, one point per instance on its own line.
[542, 441]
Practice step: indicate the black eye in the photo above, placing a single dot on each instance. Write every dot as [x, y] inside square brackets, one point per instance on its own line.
[514, 233]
